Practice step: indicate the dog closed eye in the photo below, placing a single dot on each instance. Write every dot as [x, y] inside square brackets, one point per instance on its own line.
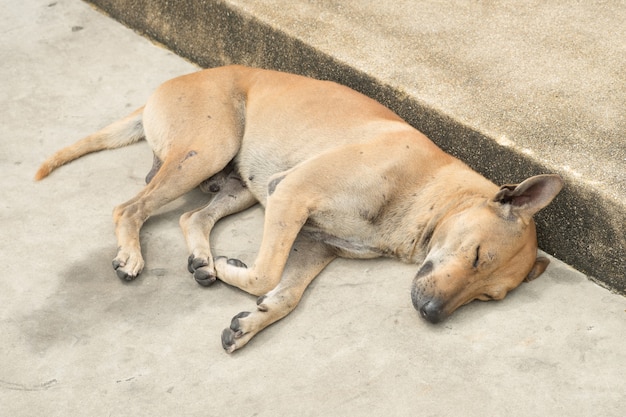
[477, 259]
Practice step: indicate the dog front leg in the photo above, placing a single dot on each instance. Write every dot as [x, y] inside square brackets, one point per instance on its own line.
[233, 197]
[285, 213]
[306, 260]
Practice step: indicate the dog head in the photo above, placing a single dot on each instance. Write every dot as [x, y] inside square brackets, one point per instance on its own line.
[485, 250]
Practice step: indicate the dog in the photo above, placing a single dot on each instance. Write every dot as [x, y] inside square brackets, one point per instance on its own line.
[339, 175]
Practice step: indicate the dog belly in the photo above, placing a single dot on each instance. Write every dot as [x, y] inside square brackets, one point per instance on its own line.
[260, 159]
[345, 248]
[346, 233]
[256, 172]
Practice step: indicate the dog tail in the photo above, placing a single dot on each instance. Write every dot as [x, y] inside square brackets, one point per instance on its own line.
[118, 134]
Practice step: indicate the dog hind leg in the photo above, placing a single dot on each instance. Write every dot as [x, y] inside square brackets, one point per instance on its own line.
[306, 260]
[232, 197]
[180, 173]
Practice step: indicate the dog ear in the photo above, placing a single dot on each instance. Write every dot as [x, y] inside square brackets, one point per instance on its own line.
[541, 263]
[527, 198]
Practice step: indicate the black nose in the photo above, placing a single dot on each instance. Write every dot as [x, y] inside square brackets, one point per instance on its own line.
[431, 308]
[432, 311]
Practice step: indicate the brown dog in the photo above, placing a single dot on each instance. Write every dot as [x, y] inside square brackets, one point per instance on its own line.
[339, 175]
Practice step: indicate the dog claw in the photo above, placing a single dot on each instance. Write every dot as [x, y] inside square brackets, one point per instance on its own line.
[194, 263]
[190, 264]
[201, 273]
[232, 262]
[232, 333]
[228, 340]
[204, 277]
[198, 263]
[237, 263]
[234, 323]
[121, 274]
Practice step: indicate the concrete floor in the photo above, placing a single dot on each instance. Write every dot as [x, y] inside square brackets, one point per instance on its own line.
[75, 341]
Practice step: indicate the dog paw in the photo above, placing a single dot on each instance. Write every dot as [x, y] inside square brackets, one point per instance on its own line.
[233, 272]
[126, 266]
[202, 271]
[233, 336]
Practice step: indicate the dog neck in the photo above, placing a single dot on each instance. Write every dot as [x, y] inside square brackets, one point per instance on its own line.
[452, 189]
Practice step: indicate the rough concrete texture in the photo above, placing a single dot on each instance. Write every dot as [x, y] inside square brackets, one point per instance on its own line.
[513, 89]
[75, 341]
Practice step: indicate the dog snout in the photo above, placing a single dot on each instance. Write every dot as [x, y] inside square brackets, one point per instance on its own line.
[429, 308]
[428, 305]
[425, 296]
